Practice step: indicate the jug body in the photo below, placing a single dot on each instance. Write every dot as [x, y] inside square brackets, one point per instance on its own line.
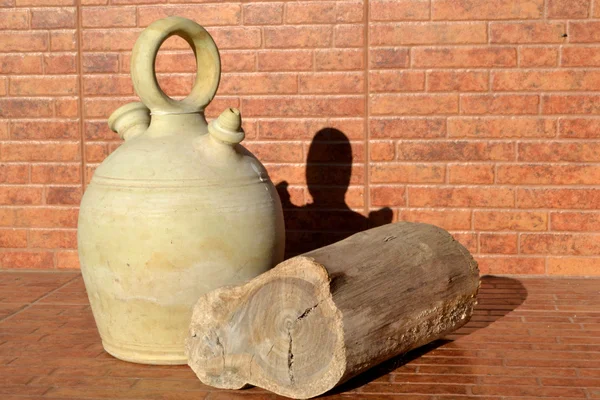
[179, 209]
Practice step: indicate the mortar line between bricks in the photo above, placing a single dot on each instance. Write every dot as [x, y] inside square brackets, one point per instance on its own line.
[367, 94]
[28, 306]
[80, 94]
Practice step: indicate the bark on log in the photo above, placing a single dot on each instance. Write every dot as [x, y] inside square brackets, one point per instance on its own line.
[319, 319]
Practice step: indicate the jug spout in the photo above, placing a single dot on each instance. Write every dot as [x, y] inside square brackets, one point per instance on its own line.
[228, 127]
[130, 120]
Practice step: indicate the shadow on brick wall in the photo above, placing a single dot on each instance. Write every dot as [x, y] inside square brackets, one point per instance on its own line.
[328, 218]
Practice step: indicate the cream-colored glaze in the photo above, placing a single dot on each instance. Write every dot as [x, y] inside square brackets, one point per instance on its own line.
[179, 209]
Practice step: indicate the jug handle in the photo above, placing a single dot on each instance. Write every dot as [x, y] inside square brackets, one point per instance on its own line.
[143, 73]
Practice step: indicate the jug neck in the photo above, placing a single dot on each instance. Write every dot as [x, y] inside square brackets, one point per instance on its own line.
[178, 122]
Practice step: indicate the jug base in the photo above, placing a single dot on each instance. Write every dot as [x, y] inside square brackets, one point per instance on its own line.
[145, 356]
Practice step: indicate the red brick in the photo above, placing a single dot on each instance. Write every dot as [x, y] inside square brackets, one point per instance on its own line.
[464, 57]
[60, 63]
[429, 150]
[13, 19]
[56, 173]
[499, 104]
[45, 3]
[63, 195]
[43, 130]
[35, 86]
[322, 12]
[403, 104]
[234, 61]
[461, 197]
[510, 220]
[337, 59]
[27, 259]
[498, 243]
[53, 239]
[107, 85]
[527, 32]
[13, 238]
[349, 35]
[333, 82]
[276, 152]
[511, 265]
[396, 81]
[388, 196]
[53, 18]
[17, 195]
[102, 62]
[108, 17]
[49, 151]
[237, 37]
[484, 9]
[581, 56]
[573, 266]
[407, 173]
[14, 173]
[559, 151]
[445, 219]
[457, 81]
[298, 36]
[558, 198]
[109, 39]
[95, 152]
[258, 83]
[407, 33]
[560, 244]
[399, 10]
[63, 40]
[568, 9]
[349, 11]
[389, 57]
[584, 32]
[303, 106]
[467, 239]
[204, 14]
[538, 57]
[381, 151]
[23, 41]
[263, 14]
[25, 108]
[571, 104]
[102, 107]
[4, 130]
[66, 107]
[575, 221]
[536, 174]
[494, 127]
[285, 60]
[402, 127]
[20, 64]
[305, 129]
[471, 173]
[40, 217]
[67, 260]
[562, 80]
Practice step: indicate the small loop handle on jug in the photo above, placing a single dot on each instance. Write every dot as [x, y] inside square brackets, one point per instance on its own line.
[143, 72]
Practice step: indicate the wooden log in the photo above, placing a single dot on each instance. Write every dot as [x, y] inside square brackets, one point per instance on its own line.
[319, 319]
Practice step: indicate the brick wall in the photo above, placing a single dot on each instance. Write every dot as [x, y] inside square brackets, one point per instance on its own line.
[479, 116]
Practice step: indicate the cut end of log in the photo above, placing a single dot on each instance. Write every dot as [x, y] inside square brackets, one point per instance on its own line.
[289, 321]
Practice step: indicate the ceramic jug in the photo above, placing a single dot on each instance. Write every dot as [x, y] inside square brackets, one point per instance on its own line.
[179, 209]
